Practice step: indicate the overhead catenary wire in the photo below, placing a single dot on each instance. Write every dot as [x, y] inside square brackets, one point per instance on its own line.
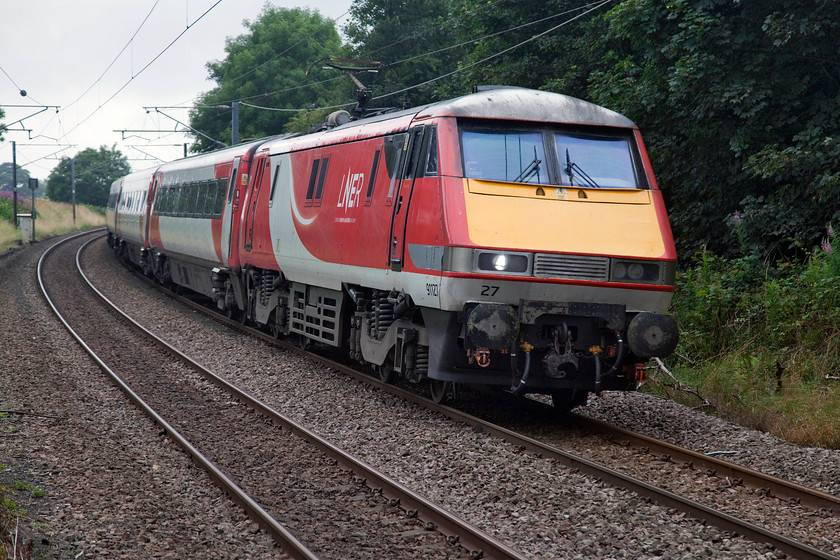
[119, 54]
[489, 35]
[589, 7]
[152, 61]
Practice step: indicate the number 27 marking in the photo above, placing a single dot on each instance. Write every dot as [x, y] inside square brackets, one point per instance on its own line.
[489, 290]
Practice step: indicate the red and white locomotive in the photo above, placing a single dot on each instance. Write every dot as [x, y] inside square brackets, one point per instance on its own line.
[509, 237]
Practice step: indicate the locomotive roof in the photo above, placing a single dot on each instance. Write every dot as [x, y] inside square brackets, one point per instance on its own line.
[502, 102]
[526, 104]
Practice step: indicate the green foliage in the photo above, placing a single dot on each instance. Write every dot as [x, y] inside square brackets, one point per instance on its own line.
[267, 67]
[7, 208]
[95, 171]
[739, 102]
[6, 177]
[729, 304]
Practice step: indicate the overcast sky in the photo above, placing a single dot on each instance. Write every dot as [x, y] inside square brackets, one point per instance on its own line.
[57, 50]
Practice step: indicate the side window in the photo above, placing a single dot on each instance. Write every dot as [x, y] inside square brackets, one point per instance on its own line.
[372, 181]
[219, 203]
[274, 185]
[317, 179]
[232, 183]
[430, 153]
[394, 146]
[198, 198]
[313, 176]
[413, 167]
[184, 199]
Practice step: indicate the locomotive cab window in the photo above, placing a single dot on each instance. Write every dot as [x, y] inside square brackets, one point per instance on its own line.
[576, 157]
[596, 161]
[505, 155]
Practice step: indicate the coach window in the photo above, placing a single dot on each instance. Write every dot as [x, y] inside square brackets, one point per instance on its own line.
[219, 200]
[184, 199]
[209, 198]
[163, 198]
[198, 199]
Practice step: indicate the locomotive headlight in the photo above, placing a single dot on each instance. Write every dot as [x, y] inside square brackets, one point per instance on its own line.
[636, 272]
[500, 262]
[503, 263]
[641, 272]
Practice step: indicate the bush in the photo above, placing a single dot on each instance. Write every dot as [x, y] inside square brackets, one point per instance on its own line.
[761, 341]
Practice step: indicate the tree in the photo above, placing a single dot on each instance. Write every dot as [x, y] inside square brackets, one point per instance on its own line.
[95, 171]
[539, 44]
[6, 177]
[739, 101]
[267, 67]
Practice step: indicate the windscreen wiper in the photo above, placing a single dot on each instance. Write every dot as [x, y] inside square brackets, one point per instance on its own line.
[573, 167]
[532, 169]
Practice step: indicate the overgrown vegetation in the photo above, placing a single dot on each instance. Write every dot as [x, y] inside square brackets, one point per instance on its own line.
[53, 218]
[760, 341]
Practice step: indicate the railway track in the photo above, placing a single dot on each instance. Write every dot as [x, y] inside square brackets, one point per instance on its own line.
[341, 495]
[783, 494]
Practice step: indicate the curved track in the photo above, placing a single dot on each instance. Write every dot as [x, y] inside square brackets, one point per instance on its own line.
[412, 506]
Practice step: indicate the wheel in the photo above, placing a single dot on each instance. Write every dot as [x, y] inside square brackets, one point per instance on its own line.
[274, 327]
[386, 373]
[440, 390]
[302, 341]
[565, 400]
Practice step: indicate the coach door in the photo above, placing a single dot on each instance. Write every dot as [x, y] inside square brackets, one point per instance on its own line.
[260, 166]
[406, 166]
[147, 216]
[227, 217]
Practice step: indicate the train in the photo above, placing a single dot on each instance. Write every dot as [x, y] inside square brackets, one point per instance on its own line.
[509, 238]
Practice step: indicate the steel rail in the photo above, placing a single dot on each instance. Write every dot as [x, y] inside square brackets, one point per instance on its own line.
[720, 519]
[256, 513]
[479, 543]
[773, 486]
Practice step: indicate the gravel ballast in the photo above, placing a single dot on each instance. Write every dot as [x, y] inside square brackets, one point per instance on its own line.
[532, 504]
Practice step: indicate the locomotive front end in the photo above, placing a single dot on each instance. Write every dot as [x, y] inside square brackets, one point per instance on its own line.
[562, 274]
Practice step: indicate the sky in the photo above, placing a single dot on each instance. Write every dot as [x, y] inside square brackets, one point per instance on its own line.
[64, 54]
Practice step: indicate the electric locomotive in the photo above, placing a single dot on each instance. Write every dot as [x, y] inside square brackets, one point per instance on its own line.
[509, 237]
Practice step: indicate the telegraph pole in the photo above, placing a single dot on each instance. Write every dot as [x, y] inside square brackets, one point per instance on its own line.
[73, 185]
[14, 183]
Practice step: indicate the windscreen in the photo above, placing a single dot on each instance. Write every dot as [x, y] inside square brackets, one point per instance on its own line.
[550, 157]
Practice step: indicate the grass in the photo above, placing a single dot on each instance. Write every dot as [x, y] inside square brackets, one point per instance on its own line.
[53, 218]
